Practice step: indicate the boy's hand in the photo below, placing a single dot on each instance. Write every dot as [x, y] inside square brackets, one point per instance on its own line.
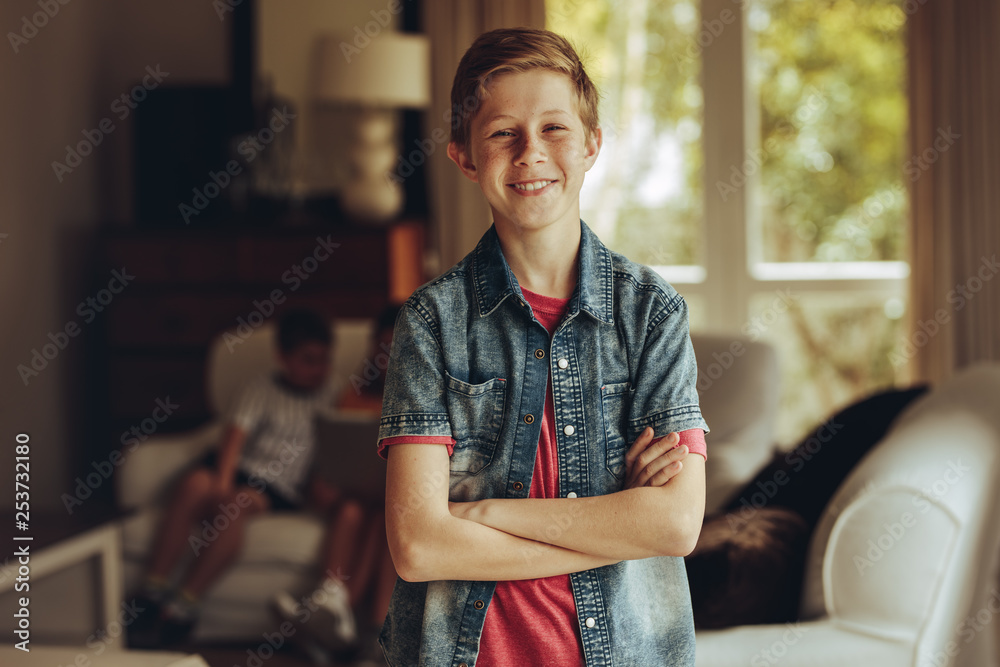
[656, 464]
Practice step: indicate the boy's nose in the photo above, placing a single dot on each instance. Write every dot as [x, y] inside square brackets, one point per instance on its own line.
[530, 151]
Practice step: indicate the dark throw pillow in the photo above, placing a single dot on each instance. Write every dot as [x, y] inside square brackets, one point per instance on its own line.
[748, 569]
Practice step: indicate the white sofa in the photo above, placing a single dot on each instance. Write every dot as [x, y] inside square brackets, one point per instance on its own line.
[282, 549]
[902, 569]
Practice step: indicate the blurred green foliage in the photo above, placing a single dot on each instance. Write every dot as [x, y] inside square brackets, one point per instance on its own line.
[831, 76]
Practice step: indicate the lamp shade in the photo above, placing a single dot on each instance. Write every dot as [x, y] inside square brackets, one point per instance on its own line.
[392, 70]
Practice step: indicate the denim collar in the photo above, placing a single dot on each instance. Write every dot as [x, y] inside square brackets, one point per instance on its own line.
[494, 281]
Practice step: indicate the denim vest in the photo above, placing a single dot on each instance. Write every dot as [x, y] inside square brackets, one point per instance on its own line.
[470, 361]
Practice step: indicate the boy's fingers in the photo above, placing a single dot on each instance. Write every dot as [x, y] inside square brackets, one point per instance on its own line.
[653, 452]
[649, 452]
[642, 452]
[639, 445]
[654, 458]
[644, 475]
[638, 448]
[665, 475]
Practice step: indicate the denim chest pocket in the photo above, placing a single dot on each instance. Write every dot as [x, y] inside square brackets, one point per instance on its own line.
[476, 415]
[616, 400]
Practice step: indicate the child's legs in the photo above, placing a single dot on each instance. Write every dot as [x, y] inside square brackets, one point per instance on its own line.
[225, 540]
[367, 554]
[358, 554]
[344, 534]
[191, 500]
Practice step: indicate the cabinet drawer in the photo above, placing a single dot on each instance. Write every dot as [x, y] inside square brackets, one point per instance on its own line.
[175, 318]
[360, 259]
[156, 261]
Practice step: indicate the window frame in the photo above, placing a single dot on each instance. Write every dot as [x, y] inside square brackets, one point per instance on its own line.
[733, 269]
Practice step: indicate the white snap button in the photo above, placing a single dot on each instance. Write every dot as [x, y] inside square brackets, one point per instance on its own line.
[569, 430]
[571, 494]
[590, 622]
[563, 363]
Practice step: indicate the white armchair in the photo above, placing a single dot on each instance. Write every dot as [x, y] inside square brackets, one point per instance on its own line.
[902, 569]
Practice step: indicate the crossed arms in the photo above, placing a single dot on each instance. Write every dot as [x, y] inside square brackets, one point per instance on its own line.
[659, 513]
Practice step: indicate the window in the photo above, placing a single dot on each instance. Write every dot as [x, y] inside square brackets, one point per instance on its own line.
[754, 154]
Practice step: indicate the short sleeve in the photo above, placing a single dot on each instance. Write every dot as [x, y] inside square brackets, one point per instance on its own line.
[251, 406]
[666, 395]
[414, 401]
[694, 438]
[385, 443]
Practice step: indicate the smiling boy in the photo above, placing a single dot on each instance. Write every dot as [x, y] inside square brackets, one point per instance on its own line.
[525, 528]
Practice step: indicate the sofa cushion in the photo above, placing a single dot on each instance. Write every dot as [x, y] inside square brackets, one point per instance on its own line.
[273, 538]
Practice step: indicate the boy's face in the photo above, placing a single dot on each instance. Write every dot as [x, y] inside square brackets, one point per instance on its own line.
[307, 365]
[528, 150]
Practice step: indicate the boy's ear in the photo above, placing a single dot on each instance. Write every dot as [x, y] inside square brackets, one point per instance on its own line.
[593, 147]
[460, 156]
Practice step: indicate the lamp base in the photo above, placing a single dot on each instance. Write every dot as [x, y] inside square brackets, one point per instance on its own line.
[369, 200]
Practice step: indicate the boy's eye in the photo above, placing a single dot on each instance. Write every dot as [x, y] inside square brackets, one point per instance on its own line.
[502, 133]
[555, 127]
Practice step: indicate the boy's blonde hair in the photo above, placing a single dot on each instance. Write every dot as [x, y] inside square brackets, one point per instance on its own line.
[516, 50]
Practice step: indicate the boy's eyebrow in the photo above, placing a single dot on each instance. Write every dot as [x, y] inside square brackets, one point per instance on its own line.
[550, 112]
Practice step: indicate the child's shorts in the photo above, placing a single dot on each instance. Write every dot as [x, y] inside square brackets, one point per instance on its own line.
[278, 502]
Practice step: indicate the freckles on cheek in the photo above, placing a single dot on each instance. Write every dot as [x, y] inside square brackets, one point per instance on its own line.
[489, 161]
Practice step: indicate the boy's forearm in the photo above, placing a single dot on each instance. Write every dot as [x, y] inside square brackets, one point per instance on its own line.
[627, 525]
[459, 549]
[229, 451]
[429, 543]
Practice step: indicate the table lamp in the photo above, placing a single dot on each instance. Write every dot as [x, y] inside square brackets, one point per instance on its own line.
[391, 72]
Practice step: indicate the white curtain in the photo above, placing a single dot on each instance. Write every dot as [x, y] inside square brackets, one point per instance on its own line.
[459, 214]
[954, 171]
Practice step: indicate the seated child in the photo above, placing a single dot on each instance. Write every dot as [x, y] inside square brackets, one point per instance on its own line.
[357, 542]
[262, 464]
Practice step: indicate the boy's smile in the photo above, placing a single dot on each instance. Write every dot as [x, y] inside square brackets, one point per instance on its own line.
[529, 150]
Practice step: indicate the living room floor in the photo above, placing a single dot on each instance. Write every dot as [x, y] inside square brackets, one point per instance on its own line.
[230, 655]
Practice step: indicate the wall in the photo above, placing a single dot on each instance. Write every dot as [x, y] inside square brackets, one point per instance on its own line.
[61, 82]
[57, 85]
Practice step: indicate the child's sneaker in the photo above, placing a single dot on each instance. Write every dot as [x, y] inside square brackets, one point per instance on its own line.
[180, 616]
[144, 630]
[325, 616]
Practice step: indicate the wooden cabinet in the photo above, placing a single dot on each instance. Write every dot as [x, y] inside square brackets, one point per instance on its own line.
[190, 286]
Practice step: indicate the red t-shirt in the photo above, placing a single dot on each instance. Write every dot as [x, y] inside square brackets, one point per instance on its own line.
[533, 621]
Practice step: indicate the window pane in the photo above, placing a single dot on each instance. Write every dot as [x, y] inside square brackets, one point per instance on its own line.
[644, 195]
[833, 348]
[831, 78]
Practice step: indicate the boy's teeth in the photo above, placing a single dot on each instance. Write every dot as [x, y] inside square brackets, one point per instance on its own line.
[537, 185]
